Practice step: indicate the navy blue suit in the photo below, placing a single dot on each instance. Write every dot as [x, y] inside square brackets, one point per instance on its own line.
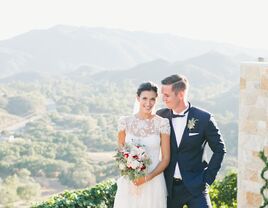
[196, 172]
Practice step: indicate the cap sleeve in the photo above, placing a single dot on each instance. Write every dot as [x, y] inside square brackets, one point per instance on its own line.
[164, 126]
[122, 123]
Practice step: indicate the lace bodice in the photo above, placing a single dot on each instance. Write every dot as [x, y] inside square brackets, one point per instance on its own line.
[145, 132]
[144, 127]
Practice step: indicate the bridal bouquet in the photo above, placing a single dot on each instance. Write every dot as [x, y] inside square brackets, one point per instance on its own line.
[132, 161]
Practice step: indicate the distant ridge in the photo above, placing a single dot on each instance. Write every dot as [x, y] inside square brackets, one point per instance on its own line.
[61, 49]
[23, 77]
[200, 70]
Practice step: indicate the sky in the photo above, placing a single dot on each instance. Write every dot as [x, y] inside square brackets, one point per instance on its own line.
[240, 22]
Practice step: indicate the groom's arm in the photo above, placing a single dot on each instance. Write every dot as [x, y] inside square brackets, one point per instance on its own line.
[216, 143]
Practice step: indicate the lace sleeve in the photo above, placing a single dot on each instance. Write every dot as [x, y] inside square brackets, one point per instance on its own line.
[164, 126]
[122, 123]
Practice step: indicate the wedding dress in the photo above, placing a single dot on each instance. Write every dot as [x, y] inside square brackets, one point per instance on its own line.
[151, 194]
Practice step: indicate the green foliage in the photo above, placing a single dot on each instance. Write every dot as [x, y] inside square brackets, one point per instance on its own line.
[8, 189]
[28, 191]
[78, 177]
[223, 192]
[20, 106]
[99, 196]
[105, 170]
[18, 186]
[264, 188]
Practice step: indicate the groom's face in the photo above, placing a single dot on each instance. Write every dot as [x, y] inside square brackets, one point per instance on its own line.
[170, 98]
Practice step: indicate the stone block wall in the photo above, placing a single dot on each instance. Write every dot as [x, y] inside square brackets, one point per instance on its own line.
[253, 132]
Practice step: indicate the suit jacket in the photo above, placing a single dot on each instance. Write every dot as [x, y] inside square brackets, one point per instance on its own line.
[196, 172]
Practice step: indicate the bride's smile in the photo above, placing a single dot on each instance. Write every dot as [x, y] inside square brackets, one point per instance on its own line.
[147, 100]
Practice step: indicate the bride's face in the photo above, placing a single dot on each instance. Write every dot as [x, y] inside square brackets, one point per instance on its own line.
[147, 100]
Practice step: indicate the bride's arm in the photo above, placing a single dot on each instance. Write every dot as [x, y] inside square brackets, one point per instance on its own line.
[121, 138]
[165, 149]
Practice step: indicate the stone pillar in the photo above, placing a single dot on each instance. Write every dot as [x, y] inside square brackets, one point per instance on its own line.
[253, 132]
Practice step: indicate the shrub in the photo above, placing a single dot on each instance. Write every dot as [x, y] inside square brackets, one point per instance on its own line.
[78, 177]
[223, 192]
[99, 196]
[20, 106]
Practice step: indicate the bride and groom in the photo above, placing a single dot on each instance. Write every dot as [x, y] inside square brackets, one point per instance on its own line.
[179, 133]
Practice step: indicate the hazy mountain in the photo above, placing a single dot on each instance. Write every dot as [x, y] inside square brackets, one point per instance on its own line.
[83, 72]
[217, 63]
[228, 101]
[11, 61]
[65, 48]
[152, 70]
[209, 68]
[203, 71]
[23, 77]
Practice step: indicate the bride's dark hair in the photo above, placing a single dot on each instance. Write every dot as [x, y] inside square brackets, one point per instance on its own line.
[147, 86]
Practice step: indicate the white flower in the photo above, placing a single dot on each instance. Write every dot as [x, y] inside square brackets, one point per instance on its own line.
[191, 123]
[134, 151]
[121, 166]
[134, 164]
[141, 150]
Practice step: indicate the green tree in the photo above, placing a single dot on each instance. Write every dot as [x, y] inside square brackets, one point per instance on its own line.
[20, 106]
[28, 191]
[223, 192]
[80, 176]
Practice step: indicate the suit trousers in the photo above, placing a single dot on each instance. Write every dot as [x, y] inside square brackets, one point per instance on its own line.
[181, 196]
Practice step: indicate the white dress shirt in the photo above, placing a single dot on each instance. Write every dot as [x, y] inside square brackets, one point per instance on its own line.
[179, 125]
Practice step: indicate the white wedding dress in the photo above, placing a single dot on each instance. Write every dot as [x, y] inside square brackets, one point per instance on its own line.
[151, 194]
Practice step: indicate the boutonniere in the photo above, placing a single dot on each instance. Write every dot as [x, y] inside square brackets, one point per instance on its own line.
[191, 123]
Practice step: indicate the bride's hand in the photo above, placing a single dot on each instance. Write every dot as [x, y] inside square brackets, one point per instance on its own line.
[140, 181]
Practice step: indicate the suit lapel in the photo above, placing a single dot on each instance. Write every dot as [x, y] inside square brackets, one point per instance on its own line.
[173, 135]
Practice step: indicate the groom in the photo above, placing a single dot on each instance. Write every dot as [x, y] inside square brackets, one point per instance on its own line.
[189, 174]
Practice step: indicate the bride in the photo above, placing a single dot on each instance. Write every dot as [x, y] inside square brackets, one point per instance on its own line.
[153, 132]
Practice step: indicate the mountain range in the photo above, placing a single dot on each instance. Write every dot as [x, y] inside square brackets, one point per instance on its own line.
[63, 49]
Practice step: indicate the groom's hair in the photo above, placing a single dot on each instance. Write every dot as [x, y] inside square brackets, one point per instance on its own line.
[178, 82]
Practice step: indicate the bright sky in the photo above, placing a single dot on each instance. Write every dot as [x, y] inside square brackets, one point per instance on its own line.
[241, 22]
